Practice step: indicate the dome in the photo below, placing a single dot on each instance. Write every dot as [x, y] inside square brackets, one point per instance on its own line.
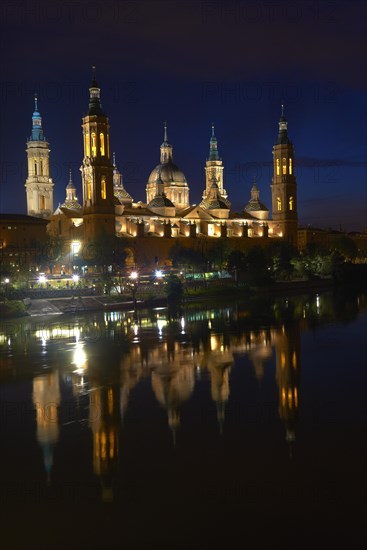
[161, 201]
[169, 173]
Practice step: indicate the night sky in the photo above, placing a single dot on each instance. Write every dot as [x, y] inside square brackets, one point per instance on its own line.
[193, 63]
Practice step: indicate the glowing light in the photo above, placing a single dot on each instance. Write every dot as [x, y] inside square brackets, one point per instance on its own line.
[159, 273]
[7, 281]
[160, 324]
[75, 278]
[79, 358]
[134, 275]
[42, 279]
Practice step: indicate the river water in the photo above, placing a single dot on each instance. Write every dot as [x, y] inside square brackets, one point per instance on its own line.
[211, 427]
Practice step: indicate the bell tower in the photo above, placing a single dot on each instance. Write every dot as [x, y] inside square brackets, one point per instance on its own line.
[214, 168]
[97, 170]
[283, 187]
[39, 185]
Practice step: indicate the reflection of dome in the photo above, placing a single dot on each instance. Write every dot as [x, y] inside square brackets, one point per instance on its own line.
[169, 173]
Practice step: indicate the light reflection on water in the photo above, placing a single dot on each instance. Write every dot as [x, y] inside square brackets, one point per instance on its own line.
[124, 377]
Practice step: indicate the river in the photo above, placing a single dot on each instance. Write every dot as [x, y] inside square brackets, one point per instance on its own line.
[208, 427]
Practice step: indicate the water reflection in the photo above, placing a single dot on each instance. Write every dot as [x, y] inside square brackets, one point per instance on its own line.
[104, 358]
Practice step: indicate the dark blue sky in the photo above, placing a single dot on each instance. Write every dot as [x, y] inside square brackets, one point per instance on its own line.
[191, 63]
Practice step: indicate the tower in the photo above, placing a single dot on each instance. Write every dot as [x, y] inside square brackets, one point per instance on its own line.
[214, 168]
[39, 185]
[97, 170]
[283, 187]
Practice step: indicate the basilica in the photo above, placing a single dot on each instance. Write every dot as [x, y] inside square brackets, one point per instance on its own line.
[107, 208]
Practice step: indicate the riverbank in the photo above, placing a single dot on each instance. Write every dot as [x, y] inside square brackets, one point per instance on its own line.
[198, 294]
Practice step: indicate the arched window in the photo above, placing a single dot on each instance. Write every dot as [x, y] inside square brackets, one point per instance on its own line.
[279, 204]
[290, 166]
[103, 188]
[43, 202]
[284, 170]
[41, 167]
[94, 145]
[290, 203]
[278, 167]
[35, 167]
[101, 138]
[87, 148]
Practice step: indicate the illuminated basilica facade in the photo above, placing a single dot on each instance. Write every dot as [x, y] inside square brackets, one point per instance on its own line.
[107, 208]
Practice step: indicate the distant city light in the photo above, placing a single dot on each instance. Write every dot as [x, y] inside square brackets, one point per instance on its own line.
[42, 279]
[134, 275]
[6, 281]
[75, 278]
[159, 273]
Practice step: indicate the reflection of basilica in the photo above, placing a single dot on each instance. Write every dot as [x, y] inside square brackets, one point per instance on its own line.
[175, 358]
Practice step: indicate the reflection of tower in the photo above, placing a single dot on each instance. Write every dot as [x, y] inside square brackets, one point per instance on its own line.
[46, 399]
[172, 387]
[39, 185]
[219, 362]
[287, 376]
[104, 421]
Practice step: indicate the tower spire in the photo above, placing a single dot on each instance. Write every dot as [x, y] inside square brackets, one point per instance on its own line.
[37, 132]
[95, 107]
[213, 151]
[283, 128]
[166, 148]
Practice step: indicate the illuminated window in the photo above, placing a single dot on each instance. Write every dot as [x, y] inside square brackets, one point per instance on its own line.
[87, 148]
[278, 167]
[290, 203]
[179, 197]
[290, 166]
[89, 189]
[101, 138]
[284, 170]
[94, 145]
[35, 167]
[103, 187]
[279, 204]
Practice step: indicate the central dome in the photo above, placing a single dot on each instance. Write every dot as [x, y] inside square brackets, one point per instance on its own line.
[169, 173]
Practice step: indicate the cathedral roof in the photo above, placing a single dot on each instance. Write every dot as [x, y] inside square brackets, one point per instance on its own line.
[160, 201]
[254, 205]
[169, 173]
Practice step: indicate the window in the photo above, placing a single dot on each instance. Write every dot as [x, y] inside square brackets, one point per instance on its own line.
[101, 138]
[103, 188]
[35, 167]
[41, 167]
[87, 148]
[279, 204]
[94, 145]
[290, 166]
[290, 203]
[89, 189]
[284, 170]
[43, 202]
[278, 167]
